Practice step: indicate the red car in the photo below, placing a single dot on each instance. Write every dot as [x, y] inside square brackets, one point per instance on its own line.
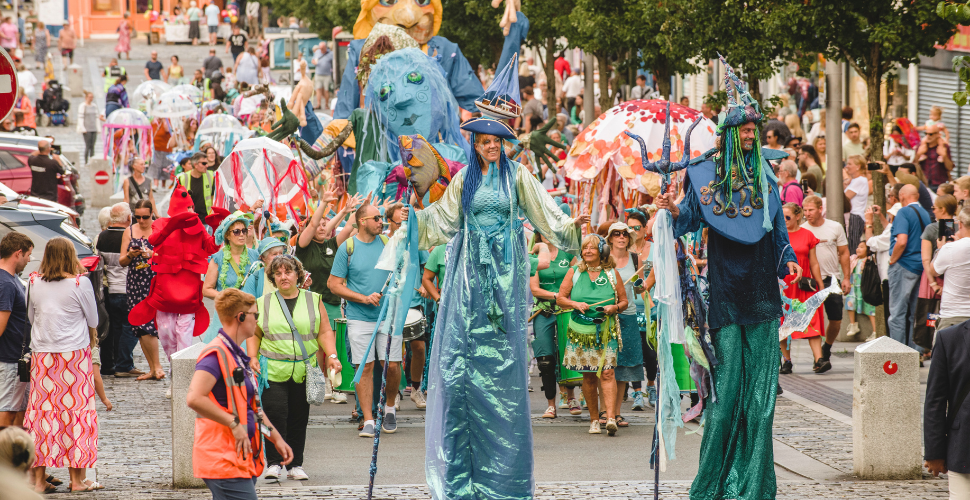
[16, 175]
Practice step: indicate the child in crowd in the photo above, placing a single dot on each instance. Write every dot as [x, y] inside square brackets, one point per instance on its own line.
[936, 118]
[853, 301]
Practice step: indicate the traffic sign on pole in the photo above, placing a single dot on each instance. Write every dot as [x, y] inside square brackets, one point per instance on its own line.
[101, 177]
[8, 84]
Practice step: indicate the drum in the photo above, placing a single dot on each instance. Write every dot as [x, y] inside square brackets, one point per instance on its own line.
[347, 370]
[413, 325]
[569, 378]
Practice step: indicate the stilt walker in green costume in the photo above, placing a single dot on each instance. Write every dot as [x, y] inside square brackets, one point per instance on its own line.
[732, 189]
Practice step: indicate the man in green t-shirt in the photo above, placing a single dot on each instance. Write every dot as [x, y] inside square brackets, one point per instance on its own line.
[317, 246]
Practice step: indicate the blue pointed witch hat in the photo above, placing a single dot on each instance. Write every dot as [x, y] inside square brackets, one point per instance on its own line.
[501, 100]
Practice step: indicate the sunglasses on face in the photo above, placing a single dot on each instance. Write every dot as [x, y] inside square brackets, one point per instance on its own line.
[377, 218]
[619, 233]
[238, 232]
[242, 317]
[143, 217]
[787, 217]
[636, 228]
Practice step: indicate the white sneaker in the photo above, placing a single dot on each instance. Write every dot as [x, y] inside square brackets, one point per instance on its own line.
[273, 472]
[852, 329]
[594, 427]
[297, 473]
[339, 398]
[418, 398]
[327, 391]
[168, 392]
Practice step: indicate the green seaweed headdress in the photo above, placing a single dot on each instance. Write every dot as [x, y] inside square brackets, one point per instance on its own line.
[733, 170]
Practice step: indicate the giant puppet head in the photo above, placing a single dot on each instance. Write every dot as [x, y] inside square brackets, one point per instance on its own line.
[407, 91]
[420, 18]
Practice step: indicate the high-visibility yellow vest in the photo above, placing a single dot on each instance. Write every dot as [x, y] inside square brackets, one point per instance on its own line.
[185, 178]
[279, 347]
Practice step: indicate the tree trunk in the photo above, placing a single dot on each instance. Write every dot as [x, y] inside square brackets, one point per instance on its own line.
[551, 75]
[605, 100]
[661, 78]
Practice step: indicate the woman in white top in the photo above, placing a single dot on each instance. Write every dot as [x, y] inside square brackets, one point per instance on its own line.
[60, 415]
[953, 262]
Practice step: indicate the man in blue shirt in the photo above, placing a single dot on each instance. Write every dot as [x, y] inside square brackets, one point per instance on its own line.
[323, 78]
[905, 265]
[15, 252]
[355, 279]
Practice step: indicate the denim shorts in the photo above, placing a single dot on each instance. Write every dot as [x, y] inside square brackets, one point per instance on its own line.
[13, 393]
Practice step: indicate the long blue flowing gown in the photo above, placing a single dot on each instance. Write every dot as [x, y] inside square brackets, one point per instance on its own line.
[478, 430]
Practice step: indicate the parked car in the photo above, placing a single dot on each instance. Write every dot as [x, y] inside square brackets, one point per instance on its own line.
[17, 200]
[42, 226]
[15, 173]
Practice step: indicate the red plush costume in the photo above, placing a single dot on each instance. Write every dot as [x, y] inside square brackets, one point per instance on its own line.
[181, 251]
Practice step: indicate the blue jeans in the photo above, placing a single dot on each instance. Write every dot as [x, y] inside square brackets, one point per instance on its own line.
[903, 291]
[121, 341]
[232, 489]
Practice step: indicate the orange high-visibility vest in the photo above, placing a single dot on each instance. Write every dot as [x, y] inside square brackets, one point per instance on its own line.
[214, 452]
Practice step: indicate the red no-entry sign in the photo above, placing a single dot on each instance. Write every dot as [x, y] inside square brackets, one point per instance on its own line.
[8, 84]
[101, 177]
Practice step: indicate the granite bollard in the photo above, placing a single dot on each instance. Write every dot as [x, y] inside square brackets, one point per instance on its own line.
[887, 426]
[183, 418]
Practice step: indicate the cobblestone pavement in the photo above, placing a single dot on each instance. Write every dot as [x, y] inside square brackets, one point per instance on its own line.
[135, 458]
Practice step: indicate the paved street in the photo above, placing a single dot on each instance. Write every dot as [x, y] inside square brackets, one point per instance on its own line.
[812, 428]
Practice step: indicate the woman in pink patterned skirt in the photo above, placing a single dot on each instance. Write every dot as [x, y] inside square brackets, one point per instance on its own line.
[60, 414]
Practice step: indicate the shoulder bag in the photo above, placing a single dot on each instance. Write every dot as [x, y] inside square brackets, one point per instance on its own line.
[316, 381]
[23, 364]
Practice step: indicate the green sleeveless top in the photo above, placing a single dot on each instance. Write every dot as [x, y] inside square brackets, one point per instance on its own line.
[583, 327]
[551, 278]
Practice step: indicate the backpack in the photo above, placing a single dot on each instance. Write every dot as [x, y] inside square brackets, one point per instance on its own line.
[350, 247]
[871, 285]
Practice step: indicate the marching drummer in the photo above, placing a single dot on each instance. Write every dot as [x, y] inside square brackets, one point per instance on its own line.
[416, 328]
[355, 279]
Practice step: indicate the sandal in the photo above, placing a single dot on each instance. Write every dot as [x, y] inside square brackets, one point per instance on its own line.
[53, 480]
[49, 488]
[93, 485]
[602, 418]
[621, 422]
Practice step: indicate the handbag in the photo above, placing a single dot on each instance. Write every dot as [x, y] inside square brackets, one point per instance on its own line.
[807, 285]
[871, 283]
[23, 364]
[316, 381]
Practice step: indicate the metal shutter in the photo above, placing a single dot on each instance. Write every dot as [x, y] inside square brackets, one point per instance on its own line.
[936, 88]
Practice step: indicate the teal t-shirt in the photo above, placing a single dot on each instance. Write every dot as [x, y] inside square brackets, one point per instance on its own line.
[362, 277]
[418, 300]
[436, 263]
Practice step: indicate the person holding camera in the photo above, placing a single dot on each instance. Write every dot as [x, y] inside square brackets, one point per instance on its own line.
[135, 254]
[953, 260]
[228, 449]
[15, 249]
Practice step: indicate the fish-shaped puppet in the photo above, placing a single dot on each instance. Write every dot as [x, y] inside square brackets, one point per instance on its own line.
[424, 167]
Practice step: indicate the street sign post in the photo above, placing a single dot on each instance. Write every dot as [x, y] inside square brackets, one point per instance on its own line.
[8, 84]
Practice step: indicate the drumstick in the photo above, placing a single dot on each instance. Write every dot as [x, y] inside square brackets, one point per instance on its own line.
[636, 273]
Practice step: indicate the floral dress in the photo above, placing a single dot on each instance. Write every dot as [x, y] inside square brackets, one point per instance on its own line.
[140, 276]
[853, 301]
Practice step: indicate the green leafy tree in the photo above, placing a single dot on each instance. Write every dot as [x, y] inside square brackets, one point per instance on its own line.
[666, 39]
[873, 36]
[473, 25]
[321, 15]
[603, 28]
[547, 26]
[959, 14]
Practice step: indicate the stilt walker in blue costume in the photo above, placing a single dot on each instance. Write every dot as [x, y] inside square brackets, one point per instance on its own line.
[732, 190]
[478, 432]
